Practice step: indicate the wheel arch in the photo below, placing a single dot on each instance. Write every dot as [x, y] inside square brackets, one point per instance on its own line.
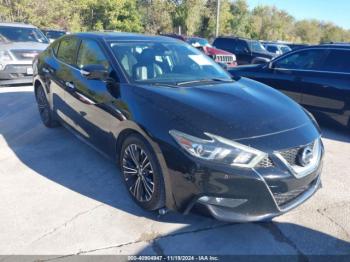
[127, 128]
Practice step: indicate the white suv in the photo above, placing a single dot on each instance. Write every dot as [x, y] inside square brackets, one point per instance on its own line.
[19, 44]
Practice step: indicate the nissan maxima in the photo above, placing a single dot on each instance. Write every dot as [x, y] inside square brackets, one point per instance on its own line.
[181, 130]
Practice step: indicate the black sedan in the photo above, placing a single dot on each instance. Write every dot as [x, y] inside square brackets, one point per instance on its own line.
[316, 77]
[180, 129]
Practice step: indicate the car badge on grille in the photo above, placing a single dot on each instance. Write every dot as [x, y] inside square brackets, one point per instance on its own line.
[305, 156]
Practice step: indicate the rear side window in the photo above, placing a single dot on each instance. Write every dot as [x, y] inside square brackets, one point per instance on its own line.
[225, 44]
[271, 48]
[337, 61]
[67, 50]
[303, 60]
[241, 47]
[90, 53]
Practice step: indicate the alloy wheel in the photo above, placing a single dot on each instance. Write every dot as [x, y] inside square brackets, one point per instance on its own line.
[138, 172]
[43, 105]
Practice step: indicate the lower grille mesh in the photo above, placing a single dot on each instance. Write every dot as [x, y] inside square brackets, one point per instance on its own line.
[266, 162]
[285, 198]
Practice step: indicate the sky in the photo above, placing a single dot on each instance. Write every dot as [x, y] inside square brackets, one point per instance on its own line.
[336, 11]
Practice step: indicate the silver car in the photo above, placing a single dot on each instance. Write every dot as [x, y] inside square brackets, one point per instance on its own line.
[19, 44]
[278, 49]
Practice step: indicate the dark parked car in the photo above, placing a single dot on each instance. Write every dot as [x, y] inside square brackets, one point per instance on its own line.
[317, 77]
[181, 130]
[247, 51]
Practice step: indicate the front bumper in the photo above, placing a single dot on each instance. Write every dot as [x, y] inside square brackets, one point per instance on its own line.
[16, 74]
[254, 194]
[239, 214]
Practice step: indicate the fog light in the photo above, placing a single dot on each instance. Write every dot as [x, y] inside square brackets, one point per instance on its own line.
[219, 201]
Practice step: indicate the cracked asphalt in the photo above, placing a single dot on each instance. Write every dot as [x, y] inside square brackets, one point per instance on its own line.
[60, 197]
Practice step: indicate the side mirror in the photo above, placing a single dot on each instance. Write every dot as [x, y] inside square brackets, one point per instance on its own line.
[94, 72]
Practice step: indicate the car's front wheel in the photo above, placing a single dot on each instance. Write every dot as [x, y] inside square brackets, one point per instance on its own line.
[141, 173]
[44, 108]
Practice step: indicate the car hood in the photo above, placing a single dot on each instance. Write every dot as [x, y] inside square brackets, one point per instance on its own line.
[242, 110]
[215, 51]
[247, 68]
[24, 46]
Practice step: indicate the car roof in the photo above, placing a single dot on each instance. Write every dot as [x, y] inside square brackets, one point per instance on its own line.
[18, 25]
[337, 46]
[122, 36]
[275, 44]
[235, 37]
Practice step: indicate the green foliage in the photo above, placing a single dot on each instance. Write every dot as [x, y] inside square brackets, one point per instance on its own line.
[194, 17]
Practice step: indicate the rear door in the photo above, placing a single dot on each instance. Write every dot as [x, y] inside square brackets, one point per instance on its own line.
[61, 75]
[327, 89]
[289, 71]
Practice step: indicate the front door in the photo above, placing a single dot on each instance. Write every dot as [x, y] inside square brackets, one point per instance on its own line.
[89, 98]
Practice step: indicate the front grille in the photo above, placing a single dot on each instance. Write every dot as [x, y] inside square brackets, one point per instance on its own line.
[227, 59]
[25, 54]
[287, 197]
[265, 163]
[291, 155]
[16, 69]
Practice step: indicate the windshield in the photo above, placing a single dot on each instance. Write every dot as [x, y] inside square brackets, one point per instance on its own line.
[256, 46]
[166, 62]
[54, 34]
[23, 34]
[200, 41]
[285, 49]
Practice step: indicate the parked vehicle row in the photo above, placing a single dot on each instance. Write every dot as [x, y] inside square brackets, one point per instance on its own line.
[222, 57]
[182, 131]
[247, 51]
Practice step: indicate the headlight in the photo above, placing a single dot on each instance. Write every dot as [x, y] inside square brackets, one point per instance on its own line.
[218, 149]
[5, 56]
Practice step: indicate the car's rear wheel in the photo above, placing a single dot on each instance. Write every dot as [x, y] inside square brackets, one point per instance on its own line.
[44, 108]
[141, 173]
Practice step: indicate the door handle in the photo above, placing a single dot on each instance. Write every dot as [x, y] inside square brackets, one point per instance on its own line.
[70, 85]
[84, 99]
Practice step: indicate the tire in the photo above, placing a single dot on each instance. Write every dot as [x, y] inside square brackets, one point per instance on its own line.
[44, 108]
[141, 173]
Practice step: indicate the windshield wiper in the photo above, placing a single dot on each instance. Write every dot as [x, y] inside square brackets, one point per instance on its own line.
[203, 80]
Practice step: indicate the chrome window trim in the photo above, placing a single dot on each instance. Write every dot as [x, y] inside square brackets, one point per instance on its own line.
[308, 70]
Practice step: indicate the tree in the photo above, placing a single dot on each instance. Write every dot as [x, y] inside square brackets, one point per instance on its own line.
[241, 18]
[156, 15]
[119, 15]
[308, 31]
[270, 23]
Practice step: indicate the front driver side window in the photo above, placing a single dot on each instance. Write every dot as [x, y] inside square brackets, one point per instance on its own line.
[302, 60]
[90, 53]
